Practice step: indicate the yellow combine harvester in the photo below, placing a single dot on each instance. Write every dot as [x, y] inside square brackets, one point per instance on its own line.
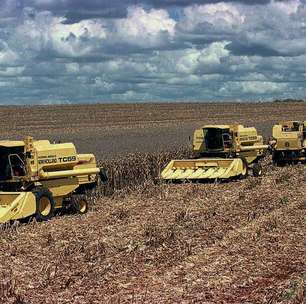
[289, 142]
[222, 152]
[38, 177]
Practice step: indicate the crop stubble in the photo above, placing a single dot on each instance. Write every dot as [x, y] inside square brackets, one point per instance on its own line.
[146, 242]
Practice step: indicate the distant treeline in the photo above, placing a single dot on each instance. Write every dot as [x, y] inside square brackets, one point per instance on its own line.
[289, 100]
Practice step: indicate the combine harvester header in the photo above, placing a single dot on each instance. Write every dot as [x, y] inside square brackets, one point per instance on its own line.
[38, 177]
[221, 151]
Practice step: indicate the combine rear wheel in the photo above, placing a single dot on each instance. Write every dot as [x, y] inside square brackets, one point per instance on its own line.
[257, 170]
[45, 205]
[278, 158]
[79, 205]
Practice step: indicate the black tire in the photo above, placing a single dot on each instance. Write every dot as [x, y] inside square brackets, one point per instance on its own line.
[278, 158]
[245, 174]
[257, 170]
[45, 205]
[103, 176]
[275, 158]
[79, 204]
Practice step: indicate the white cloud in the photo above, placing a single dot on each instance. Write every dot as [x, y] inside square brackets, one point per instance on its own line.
[252, 88]
[220, 15]
[25, 80]
[188, 80]
[212, 55]
[33, 32]
[77, 39]
[189, 61]
[288, 7]
[212, 51]
[4, 83]
[72, 68]
[238, 64]
[205, 59]
[103, 85]
[146, 29]
[45, 32]
[7, 56]
[10, 71]
[132, 96]
[46, 2]
[7, 7]
[262, 87]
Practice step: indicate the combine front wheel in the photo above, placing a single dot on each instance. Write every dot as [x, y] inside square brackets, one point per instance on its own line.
[44, 204]
[245, 171]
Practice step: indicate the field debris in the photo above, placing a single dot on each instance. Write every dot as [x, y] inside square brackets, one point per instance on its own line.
[150, 242]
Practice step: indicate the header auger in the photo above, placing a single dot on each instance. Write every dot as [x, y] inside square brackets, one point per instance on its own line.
[37, 177]
[222, 152]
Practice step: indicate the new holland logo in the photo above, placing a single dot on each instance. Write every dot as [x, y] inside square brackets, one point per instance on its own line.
[65, 159]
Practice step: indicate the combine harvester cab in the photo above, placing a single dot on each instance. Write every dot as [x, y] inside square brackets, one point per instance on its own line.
[289, 142]
[222, 152]
[38, 177]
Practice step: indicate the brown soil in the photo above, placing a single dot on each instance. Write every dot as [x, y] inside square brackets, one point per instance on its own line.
[146, 242]
[114, 130]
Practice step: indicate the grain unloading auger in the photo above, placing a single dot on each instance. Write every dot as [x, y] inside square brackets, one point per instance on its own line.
[222, 152]
[38, 177]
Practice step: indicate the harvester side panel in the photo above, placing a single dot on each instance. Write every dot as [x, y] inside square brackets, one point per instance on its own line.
[60, 187]
[87, 161]
[55, 156]
[198, 141]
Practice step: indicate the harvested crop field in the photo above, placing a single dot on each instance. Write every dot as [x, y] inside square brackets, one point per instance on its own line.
[114, 130]
[148, 242]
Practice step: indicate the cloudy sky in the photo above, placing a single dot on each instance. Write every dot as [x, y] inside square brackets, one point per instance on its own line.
[64, 51]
